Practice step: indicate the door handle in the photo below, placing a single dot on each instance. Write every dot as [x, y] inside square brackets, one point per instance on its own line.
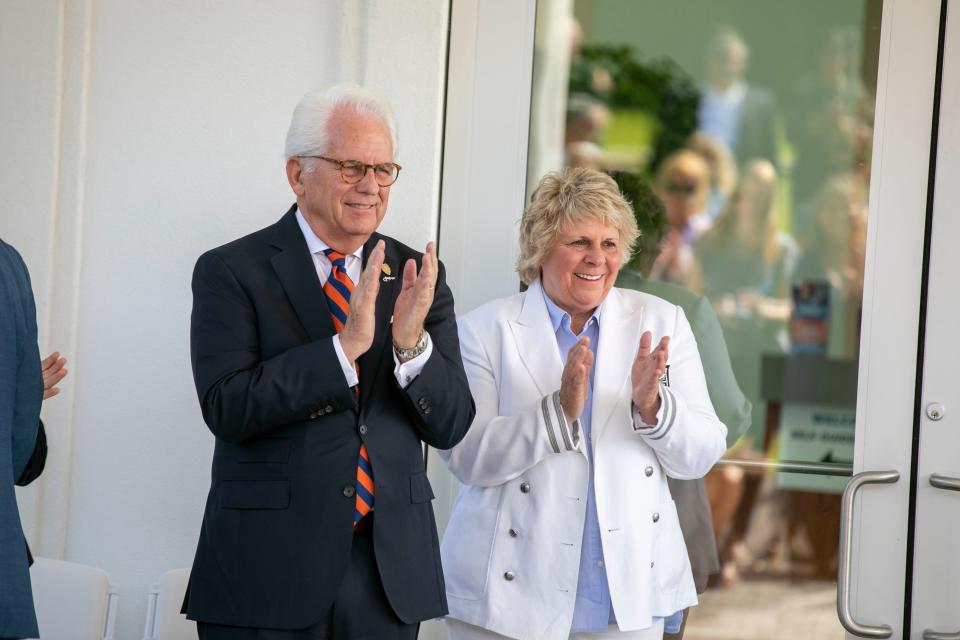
[944, 482]
[950, 484]
[846, 545]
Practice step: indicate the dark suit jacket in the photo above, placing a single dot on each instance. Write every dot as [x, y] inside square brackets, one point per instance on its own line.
[33, 469]
[21, 391]
[757, 128]
[278, 524]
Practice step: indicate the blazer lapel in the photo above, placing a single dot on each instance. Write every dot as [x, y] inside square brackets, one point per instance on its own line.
[382, 348]
[295, 268]
[620, 325]
[535, 342]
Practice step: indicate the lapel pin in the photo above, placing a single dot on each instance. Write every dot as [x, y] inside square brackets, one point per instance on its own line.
[387, 272]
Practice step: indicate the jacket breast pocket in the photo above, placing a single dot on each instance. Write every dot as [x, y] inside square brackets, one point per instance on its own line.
[254, 494]
[420, 489]
[266, 451]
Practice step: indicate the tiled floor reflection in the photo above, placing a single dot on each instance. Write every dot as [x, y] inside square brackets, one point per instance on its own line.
[767, 609]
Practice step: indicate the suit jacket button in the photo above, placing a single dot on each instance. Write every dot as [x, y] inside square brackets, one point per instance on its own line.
[363, 429]
[525, 487]
[509, 576]
[648, 471]
[513, 533]
[349, 491]
[656, 517]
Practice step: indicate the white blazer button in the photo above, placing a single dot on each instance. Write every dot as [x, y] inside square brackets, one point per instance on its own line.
[509, 575]
[525, 487]
[656, 517]
[513, 533]
[648, 471]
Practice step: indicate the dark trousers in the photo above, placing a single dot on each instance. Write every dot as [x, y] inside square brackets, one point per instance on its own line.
[361, 611]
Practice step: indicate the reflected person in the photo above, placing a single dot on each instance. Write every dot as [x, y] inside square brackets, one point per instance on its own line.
[731, 109]
[587, 396]
[683, 183]
[732, 407]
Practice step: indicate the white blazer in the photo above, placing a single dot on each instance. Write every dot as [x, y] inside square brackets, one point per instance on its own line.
[511, 552]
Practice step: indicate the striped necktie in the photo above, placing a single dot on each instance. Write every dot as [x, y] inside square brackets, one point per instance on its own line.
[337, 290]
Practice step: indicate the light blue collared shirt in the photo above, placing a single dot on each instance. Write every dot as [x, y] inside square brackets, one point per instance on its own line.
[719, 113]
[593, 611]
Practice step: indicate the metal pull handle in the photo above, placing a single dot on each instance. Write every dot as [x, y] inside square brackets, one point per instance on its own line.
[950, 484]
[846, 545]
[944, 482]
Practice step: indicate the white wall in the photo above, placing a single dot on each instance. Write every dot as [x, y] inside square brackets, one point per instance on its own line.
[135, 136]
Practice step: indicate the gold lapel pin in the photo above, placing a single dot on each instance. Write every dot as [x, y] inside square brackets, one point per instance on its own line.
[386, 269]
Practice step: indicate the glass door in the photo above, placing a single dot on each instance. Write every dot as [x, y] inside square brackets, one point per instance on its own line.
[790, 146]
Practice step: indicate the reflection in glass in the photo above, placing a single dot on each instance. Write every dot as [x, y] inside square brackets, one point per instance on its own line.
[752, 123]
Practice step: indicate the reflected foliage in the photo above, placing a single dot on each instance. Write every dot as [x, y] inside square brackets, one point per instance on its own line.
[660, 87]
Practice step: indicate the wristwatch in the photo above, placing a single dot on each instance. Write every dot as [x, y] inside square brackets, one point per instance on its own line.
[409, 354]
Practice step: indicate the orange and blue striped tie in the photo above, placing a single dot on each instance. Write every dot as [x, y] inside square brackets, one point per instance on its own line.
[337, 289]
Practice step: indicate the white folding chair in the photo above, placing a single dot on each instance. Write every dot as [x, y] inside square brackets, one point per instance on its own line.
[164, 620]
[73, 601]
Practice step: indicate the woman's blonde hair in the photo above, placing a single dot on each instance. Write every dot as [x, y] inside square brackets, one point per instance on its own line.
[567, 197]
[763, 173]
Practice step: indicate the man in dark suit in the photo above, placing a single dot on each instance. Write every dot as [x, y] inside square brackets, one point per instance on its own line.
[323, 359]
[21, 391]
[730, 109]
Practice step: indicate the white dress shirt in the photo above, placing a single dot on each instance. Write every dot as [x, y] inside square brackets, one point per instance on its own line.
[404, 372]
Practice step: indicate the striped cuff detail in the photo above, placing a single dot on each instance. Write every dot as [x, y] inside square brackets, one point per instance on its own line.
[548, 423]
[556, 423]
[668, 415]
[562, 419]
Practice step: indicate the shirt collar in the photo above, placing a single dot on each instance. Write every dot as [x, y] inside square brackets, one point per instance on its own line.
[732, 94]
[314, 243]
[559, 317]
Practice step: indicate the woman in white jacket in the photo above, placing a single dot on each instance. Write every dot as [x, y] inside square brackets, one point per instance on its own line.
[587, 397]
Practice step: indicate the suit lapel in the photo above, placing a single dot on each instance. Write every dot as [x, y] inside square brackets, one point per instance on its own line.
[381, 349]
[620, 326]
[535, 342]
[295, 268]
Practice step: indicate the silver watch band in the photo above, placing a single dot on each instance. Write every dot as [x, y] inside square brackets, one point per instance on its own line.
[414, 351]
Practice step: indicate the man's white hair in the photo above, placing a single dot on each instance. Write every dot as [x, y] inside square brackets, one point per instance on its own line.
[308, 135]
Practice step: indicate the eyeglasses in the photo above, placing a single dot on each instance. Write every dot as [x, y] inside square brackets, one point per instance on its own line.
[683, 188]
[353, 171]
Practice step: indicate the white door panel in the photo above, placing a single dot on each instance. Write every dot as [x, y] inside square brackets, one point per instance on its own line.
[888, 347]
[936, 569]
